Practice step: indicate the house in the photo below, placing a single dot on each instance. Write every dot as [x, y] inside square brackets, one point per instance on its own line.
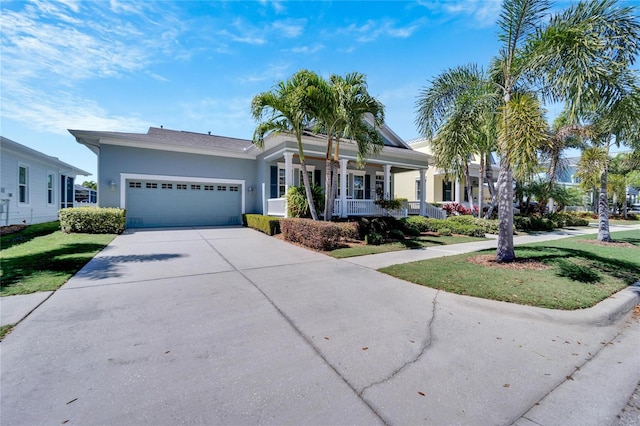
[441, 188]
[176, 178]
[33, 186]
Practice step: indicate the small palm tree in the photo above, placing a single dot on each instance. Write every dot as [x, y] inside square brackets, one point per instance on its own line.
[289, 108]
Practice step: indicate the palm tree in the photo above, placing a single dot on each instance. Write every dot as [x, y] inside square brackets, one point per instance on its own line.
[289, 108]
[572, 58]
[454, 115]
[342, 117]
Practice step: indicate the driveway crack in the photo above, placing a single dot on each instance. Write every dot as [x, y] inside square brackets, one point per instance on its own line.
[426, 345]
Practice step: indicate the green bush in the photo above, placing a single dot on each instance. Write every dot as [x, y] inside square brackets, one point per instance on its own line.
[93, 220]
[396, 234]
[270, 225]
[297, 205]
[379, 225]
[317, 235]
[445, 232]
[373, 239]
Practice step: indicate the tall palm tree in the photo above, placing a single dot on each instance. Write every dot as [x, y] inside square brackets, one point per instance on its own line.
[342, 118]
[289, 108]
[454, 114]
[572, 58]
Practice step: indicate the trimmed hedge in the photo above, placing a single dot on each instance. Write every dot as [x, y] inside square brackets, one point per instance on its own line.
[270, 225]
[317, 235]
[92, 220]
[548, 222]
[461, 225]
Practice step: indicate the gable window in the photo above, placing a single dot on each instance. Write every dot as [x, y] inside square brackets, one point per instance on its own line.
[23, 184]
[50, 194]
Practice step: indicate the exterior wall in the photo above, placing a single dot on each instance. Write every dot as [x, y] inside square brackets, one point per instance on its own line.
[114, 160]
[37, 209]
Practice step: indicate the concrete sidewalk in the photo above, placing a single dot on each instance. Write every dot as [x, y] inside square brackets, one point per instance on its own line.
[229, 326]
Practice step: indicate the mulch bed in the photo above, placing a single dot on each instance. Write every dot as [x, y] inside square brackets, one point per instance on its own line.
[518, 264]
[610, 244]
[5, 230]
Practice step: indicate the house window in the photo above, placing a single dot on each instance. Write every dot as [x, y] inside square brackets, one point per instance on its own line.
[23, 184]
[282, 188]
[208, 187]
[446, 191]
[358, 187]
[150, 185]
[181, 186]
[135, 184]
[418, 190]
[167, 186]
[301, 178]
[196, 187]
[379, 186]
[50, 195]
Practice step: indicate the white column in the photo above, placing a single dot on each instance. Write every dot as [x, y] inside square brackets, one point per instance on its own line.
[457, 189]
[343, 187]
[288, 177]
[423, 192]
[387, 181]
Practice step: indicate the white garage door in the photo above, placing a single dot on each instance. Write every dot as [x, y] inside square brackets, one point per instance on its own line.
[155, 203]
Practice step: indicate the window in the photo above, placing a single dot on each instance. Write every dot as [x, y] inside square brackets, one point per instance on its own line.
[282, 189]
[358, 187]
[135, 184]
[196, 187]
[23, 184]
[150, 185]
[50, 197]
[181, 186]
[379, 186]
[167, 186]
[233, 188]
[446, 191]
[208, 187]
[418, 191]
[222, 188]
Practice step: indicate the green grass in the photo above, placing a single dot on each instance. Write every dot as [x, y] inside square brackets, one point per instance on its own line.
[5, 329]
[579, 274]
[414, 243]
[42, 258]
[617, 222]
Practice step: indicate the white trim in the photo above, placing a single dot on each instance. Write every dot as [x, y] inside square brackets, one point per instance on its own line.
[125, 176]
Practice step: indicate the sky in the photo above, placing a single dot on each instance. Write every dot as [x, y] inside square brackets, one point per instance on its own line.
[195, 65]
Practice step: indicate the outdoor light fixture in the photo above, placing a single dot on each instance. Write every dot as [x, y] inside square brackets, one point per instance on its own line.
[113, 185]
[250, 188]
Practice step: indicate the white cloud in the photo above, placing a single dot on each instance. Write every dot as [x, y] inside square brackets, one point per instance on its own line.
[289, 28]
[271, 72]
[372, 30]
[307, 50]
[483, 12]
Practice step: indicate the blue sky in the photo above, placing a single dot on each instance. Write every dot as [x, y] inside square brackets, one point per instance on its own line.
[195, 65]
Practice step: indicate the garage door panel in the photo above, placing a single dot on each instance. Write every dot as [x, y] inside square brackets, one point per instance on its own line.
[160, 203]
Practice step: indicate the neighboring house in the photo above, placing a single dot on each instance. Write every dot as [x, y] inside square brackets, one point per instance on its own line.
[33, 186]
[441, 188]
[85, 196]
[177, 178]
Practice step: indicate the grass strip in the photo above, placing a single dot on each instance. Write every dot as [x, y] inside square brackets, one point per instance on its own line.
[578, 273]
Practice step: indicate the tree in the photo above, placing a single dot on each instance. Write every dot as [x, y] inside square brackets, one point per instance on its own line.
[90, 184]
[455, 115]
[572, 58]
[342, 118]
[289, 107]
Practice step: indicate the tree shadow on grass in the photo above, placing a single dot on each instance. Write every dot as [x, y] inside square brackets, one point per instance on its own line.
[574, 263]
[65, 261]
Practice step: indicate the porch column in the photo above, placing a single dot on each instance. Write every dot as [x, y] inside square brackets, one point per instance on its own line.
[387, 181]
[343, 187]
[288, 176]
[423, 192]
[457, 189]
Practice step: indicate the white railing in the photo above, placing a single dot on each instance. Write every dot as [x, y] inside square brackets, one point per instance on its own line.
[277, 207]
[429, 209]
[84, 204]
[367, 208]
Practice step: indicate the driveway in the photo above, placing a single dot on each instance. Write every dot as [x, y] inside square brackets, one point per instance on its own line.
[230, 326]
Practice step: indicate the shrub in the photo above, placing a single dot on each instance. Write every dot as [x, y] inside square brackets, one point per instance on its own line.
[373, 239]
[392, 204]
[396, 234]
[297, 205]
[445, 232]
[418, 223]
[268, 224]
[379, 225]
[93, 220]
[316, 235]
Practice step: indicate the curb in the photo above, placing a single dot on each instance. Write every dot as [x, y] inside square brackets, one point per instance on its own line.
[604, 314]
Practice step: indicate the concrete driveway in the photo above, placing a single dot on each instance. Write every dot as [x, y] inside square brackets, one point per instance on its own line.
[229, 326]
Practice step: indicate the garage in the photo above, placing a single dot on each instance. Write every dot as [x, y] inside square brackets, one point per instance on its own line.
[182, 202]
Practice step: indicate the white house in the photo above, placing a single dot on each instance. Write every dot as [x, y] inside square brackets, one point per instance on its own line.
[33, 185]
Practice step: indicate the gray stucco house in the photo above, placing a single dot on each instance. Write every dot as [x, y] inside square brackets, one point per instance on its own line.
[177, 178]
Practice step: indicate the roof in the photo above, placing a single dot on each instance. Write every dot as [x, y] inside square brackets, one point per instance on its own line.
[11, 145]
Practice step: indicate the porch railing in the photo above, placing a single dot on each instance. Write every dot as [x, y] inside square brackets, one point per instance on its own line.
[277, 207]
[430, 210]
[368, 208]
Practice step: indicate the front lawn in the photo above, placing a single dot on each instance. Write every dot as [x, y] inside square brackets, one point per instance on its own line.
[412, 243]
[570, 273]
[42, 258]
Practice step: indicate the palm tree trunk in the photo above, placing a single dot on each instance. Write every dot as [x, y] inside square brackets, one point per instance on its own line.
[328, 207]
[603, 209]
[490, 184]
[505, 251]
[467, 185]
[307, 189]
[334, 185]
[481, 186]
